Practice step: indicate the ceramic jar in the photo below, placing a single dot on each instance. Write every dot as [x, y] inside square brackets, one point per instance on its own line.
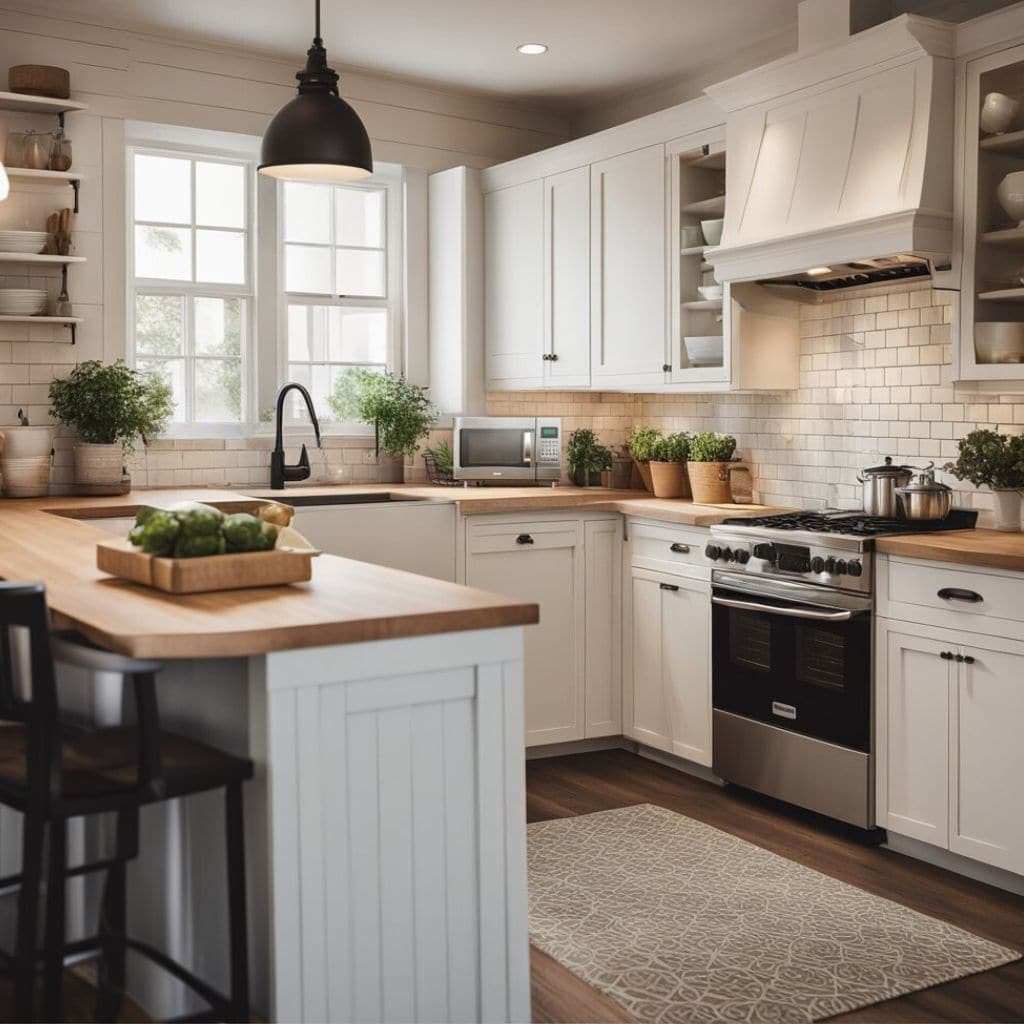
[998, 113]
[1010, 194]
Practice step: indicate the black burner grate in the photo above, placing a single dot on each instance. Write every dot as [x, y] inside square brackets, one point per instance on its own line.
[857, 523]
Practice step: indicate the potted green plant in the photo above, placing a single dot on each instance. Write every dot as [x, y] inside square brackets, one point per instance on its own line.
[990, 459]
[109, 406]
[440, 463]
[668, 467]
[587, 458]
[400, 411]
[642, 445]
[710, 467]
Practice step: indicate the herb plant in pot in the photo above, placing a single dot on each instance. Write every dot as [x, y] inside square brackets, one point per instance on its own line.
[710, 467]
[668, 467]
[399, 411]
[587, 458]
[109, 406]
[642, 444]
[988, 458]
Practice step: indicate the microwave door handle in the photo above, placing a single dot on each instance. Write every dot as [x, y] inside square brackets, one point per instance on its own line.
[789, 613]
[528, 447]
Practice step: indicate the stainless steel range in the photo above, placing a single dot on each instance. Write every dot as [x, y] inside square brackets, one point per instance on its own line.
[791, 641]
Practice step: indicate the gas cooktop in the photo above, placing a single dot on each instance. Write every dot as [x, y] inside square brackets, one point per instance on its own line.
[857, 524]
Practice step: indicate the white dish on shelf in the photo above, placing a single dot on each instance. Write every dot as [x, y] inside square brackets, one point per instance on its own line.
[710, 292]
[712, 230]
[705, 351]
[999, 341]
[29, 243]
[22, 301]
[998, 113]
[1010, 194]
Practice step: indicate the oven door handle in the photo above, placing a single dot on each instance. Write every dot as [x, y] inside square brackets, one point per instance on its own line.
[789, 613]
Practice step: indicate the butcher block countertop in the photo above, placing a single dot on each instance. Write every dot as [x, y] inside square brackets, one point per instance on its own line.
[345, 602]
[987, 548]
[52, 540]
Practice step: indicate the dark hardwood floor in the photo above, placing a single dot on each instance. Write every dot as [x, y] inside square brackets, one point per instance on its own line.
[561, 787]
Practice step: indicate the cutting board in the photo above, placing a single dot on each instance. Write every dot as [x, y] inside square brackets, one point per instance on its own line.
[201, 575]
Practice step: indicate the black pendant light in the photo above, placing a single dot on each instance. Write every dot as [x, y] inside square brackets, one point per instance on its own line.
[317, 136]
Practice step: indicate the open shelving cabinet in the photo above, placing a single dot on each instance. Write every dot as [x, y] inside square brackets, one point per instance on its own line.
[698, 349]
[993, 245]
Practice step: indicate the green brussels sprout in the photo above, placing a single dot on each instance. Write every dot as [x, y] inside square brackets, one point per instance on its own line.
[243, 532]
[144, 514]
[268, 537]
[199, 545]
[160, 533]
[135, 535]
[200, 522]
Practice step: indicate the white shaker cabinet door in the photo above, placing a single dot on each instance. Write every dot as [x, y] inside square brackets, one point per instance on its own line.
[603, 673]
[647, 717]
[917, 694]
[987, 717]
[541, 563]
[628, 211]
[567, 278]
[514, 286]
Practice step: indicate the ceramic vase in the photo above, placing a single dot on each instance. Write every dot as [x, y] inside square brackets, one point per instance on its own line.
[998, 113]
[1007, 508]
[1010, 194]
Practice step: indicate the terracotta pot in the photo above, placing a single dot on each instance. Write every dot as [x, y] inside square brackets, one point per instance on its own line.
[644, 469]
[668, 479]
[710, 481]
[98, 464]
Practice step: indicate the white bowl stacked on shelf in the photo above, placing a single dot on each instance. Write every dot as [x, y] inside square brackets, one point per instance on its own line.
[22, 301]
[27, 243]
[26, 461]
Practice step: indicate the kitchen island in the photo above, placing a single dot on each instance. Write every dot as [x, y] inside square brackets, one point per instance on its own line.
[385, 825]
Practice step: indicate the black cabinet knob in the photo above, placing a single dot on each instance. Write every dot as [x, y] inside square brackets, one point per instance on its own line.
[968, 660]
[553, 357]
[946, 655]
[666, 368]
[524, 538]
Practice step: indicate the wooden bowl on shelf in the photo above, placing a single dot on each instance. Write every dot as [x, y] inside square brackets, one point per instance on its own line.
[39, 80]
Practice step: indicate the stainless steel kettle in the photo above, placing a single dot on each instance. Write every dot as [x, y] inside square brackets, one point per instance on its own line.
[925, 498]
[880, 484]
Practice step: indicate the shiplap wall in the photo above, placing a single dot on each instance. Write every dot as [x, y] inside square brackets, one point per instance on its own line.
[126, 76]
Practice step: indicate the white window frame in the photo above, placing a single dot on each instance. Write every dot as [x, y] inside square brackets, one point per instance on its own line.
[390, 179]
[191, 290]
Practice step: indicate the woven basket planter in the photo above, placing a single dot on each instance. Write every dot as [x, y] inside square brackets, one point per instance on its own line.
[710, 482]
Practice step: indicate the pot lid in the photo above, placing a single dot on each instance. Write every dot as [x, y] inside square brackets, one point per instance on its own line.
[924, 483]
[888, 469]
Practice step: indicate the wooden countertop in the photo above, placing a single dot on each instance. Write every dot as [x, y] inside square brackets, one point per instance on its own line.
[51, 539]
[345, 602]
[987, 548]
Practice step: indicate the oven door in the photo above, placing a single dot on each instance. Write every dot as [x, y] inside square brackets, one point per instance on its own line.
[793, 656]
[495, 449]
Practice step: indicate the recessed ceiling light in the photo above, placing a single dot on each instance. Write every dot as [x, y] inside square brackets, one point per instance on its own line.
[818, 271]
[532, 49]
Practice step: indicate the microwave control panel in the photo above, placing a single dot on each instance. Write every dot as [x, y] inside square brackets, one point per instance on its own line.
[549, 449]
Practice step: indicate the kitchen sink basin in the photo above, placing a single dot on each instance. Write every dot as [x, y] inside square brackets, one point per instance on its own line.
[307, 500]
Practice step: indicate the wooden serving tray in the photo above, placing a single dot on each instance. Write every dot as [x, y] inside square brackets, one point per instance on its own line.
[201, 575]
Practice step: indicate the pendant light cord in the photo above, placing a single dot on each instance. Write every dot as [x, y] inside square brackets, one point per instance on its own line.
[318, 36]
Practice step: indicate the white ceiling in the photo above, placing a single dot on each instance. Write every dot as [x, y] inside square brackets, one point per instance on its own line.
[599, 49]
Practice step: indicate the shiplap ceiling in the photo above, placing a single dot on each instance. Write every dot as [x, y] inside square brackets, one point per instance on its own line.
[599, 49]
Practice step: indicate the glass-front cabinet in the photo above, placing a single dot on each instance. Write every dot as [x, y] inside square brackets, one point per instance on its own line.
[698, 349]
[991, 336]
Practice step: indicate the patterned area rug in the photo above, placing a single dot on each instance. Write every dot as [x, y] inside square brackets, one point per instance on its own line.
[681, 922]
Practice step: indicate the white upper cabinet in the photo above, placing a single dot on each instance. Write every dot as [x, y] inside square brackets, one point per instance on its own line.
[567, 279]
[628, 269]
[514, 286]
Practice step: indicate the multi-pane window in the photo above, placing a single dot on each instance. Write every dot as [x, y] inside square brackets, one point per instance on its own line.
[190, 279]
[337, 311]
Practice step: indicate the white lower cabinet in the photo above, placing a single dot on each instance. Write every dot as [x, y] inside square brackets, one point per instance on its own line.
[950, 718]
[571, 569]
[668, 672]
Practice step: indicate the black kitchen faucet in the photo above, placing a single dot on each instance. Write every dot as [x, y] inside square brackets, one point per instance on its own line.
[279, 471]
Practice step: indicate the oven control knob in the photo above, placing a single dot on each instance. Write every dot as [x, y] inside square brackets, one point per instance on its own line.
[855, 568]
[742, 556]
[765, 551]
[726, 554]
[830, 566]
[841, 567]
[713, 552]
[817, 564]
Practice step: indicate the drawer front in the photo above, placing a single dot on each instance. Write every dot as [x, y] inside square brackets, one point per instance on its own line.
[484, 539]
[974, 596]
[669, 549]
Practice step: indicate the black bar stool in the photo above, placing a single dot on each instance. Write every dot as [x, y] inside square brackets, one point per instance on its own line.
[51, 771]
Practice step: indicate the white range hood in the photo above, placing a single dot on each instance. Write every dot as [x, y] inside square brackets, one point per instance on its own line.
[840, 154]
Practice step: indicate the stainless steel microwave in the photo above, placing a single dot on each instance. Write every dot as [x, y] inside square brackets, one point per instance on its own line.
[517, 449]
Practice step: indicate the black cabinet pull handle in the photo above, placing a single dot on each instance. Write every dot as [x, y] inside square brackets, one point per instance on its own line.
[553, 357]
[955, 594]
[524, 538]
[960, 658]
[669, 586]
[968, 659]
[666, 368]
[680, 549]
[946, 655]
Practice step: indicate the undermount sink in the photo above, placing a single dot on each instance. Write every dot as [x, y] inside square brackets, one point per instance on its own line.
[306, 500]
